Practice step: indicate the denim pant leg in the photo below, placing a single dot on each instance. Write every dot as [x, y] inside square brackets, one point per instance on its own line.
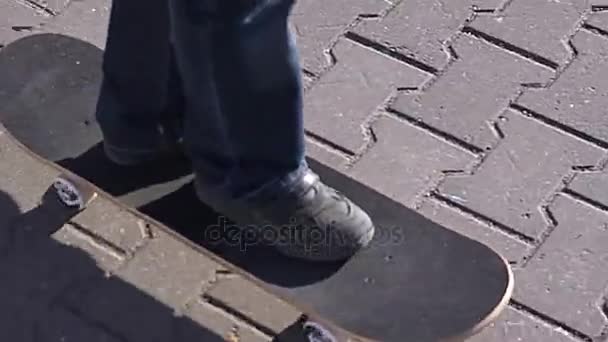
[243, 52]
[140, 81]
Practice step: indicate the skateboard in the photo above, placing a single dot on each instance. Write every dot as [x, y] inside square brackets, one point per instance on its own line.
[417, 281]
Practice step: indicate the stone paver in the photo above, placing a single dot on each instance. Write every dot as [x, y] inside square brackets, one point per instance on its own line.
[18, 20]
[54, 6]
[17, 323]
[171, 273]
[472, 91]
[122, 308]
[430, 25]
[227, 293]
[21, 166]
[362, 79]
[599, 20]
[106, 256]
[101, 275]
[393, 167]
[220, 322]
[506, 143]
[325, 155]
[570, 264]
[114, 225]
[517, 177]
[93, 16]
[64, 326]
[517, 326]
[593, 186]
[577, 98]
[525, 24]
[318, 23]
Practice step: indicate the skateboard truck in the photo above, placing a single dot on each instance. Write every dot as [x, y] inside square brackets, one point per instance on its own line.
[72, 192]
[317, 333]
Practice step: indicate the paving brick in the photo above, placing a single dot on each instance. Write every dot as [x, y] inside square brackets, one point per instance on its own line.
[105, 256]
[525, 24]
[475, 89]
[18, 20]
[316, 23]
[123, 309]
[599, 20]
[60, 325]
[570, 266]
[324, 155]
[35, 268]
[429, 24]
[85, 19]
[406, 160]
[517, 176]
[113, 224]
[510, 248]
[218, 322]
[17, 324]
[38, 270]
[594, 186]
[337, 106]
[517, 326]
[487, 4]
[56, 6]
[265, 309]
[578, 97]
[8, 211]
[158, 279]
[18, 166]
[168, 270]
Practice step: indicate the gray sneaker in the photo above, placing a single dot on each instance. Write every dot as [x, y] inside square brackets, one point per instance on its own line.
[313, 222]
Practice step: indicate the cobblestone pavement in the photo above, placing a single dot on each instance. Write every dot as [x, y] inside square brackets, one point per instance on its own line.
[488, 116]
[96, 277]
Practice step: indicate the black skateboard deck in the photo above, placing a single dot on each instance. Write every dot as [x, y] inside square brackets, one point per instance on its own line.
[416, 282]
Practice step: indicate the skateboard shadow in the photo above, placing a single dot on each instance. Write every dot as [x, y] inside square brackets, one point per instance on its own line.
[52, 291]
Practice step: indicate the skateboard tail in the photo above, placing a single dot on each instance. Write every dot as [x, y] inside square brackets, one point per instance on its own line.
[317, 332]
[495, 313]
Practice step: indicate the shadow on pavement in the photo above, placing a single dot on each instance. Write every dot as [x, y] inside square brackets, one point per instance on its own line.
[53, 292]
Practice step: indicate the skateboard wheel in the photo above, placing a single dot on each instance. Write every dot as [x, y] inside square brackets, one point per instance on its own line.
[68, 193]
[317, 333]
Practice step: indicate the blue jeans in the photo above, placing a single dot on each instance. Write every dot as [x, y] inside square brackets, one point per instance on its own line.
[228, 69]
